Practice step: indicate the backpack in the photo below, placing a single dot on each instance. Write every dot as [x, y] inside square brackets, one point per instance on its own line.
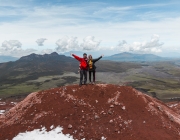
[90, 63]
[84, 64]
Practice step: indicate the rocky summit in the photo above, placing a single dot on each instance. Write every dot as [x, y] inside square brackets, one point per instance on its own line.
[92, 112]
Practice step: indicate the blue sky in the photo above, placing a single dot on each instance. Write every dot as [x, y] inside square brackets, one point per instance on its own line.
[96, 26]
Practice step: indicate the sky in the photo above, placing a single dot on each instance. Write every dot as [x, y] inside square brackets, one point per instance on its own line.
[96, 26]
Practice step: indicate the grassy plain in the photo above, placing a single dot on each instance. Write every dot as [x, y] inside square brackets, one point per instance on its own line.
[158, 79]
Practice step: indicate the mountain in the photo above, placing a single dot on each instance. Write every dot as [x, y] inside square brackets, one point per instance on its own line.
[33, 66]
[99, 111]
[39, 72]
[135, 57]
[7, 59]
[46, 57]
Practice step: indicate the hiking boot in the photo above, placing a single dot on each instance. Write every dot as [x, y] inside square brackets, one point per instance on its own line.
[80, 84]
[93, 83]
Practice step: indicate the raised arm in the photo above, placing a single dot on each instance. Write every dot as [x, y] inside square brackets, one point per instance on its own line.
[77, 57]
[95, 60]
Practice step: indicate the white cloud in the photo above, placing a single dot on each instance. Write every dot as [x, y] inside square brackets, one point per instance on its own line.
[40, 41]
[47, 51]
[122, 46]
[105, 22]
[152, 46]
[71, 44]
[122, 43]
[17, 53]
[14, 48]
[67, 44]
[11, 45]
[89, 43]
[21, 52]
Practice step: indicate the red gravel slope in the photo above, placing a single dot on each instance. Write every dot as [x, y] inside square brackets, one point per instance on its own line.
[93, 111]
[175, 106]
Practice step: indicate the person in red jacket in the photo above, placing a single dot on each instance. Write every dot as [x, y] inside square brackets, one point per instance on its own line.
[83, 68]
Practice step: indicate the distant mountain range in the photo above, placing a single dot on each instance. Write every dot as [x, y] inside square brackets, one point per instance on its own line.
[123, 57]
[130, 57]
[33, 66]
[46, 57]
[7, 59]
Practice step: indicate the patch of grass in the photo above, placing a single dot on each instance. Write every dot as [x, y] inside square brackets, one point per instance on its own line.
[158, 79]
[47, 81]
[111, 66]
[162, 88]
[70, 79]
[137, 77]
[42, 83]
[17, 89]
[168, 93]
[55, 78]
[22, 76]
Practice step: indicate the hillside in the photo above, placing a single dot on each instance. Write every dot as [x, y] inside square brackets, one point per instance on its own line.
[37, 72]
[92, 112]
[33, 66]
[135, 57]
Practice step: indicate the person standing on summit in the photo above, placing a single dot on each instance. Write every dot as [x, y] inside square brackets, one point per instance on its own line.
[83, 68]
[92, 67]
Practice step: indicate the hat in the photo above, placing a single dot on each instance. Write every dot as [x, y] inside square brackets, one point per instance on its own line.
[84, 54]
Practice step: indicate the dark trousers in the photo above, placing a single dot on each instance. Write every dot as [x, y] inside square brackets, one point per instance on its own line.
[94, 77]
[83, 74]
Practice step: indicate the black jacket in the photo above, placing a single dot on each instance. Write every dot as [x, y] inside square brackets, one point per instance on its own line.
[93, 64]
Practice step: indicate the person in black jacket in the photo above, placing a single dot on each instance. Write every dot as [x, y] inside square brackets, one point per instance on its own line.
[92, 67]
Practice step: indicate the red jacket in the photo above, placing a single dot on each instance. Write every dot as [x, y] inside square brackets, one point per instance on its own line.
[83, 62]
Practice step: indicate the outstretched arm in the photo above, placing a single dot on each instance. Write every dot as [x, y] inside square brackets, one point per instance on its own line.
[77, 57]
[95, 60]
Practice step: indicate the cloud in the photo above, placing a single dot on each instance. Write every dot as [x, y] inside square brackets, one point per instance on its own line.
[67, 44]
[47, 51]
[17, 52]
[152, 46]
[121, 43]
[11, 45]
[89, 43]
[103, 21]
[14, 48]
[71, 44]
[21, 52]
[40, 41]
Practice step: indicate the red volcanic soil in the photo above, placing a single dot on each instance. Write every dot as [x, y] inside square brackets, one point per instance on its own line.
[93, 111]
